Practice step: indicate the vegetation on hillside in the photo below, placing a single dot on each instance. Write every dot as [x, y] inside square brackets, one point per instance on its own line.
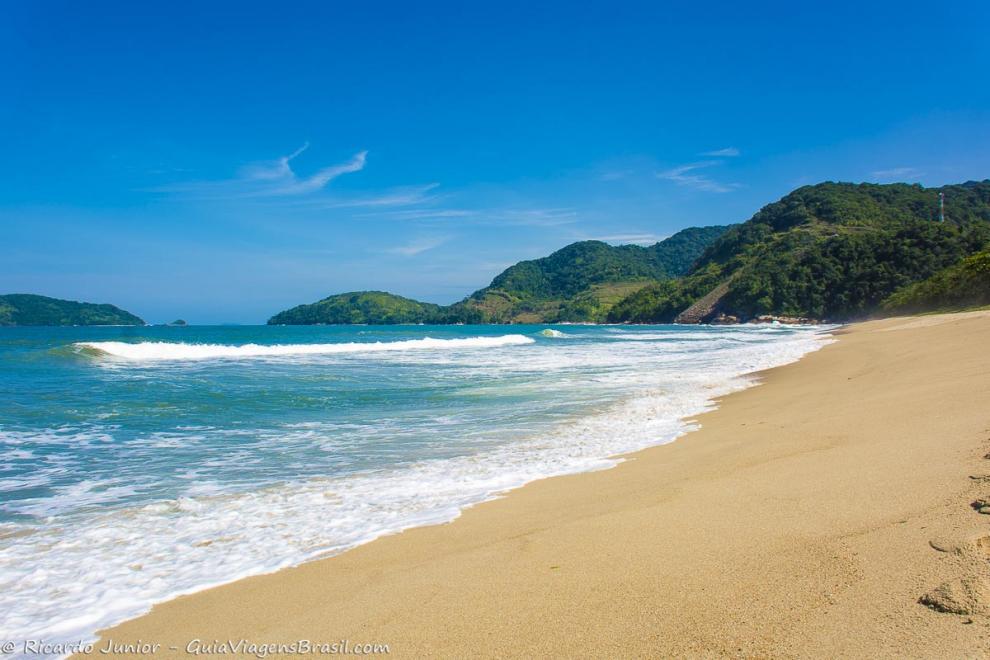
[960, 286]
[30, 309]
[663, 301]
[831, 251]
[371, 307]
[579, 283]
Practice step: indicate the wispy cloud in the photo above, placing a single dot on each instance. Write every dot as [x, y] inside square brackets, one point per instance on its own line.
[401, 196]
[897, 174]
[548, 217]
[269, 178]
[420, 214]
[293, 185]
[615, 175]
[418, 245]
[634, 239]
[688, 175]
[516, 217]
[728, 152]
[272, 170]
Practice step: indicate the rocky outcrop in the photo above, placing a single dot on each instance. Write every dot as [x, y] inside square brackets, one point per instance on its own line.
[793, 320]
[705, 308]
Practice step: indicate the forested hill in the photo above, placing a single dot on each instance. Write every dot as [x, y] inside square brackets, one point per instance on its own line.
[831, 251]
[372, 307]
[960, 286]
[579, 282]
[29, 309]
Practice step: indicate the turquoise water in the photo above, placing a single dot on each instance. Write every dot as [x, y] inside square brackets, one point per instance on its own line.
[137, 464]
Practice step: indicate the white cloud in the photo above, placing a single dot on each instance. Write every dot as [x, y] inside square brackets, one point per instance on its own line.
[401, 196]
[297, 186]
[728, 152]
[418, 245]
[687, 175]
[277, 169]
[634, 239]
[896, 174]
[269, 178]
[533, 217]
[420, 214]
[549, 217]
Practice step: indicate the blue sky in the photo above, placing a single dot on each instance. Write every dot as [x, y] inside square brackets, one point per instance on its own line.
[222, 161]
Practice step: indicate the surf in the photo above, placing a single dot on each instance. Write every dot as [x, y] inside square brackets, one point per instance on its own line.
[174, 351]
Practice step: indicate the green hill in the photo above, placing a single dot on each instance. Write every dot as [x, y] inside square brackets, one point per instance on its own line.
[582, 281]
[371, 307]
[579, 282]
[29, 309]
[830, 251]
[960, 286]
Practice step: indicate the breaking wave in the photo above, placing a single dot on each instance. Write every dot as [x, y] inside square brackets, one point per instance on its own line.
[153, 351]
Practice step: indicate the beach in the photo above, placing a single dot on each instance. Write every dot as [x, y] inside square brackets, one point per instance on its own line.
[807, 517]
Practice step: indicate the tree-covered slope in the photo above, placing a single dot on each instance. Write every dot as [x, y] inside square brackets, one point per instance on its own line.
[371, 307]
[962, 285]
[29, 309]
[582, 281]
[679, 252]
[830, 251]
[579, 282]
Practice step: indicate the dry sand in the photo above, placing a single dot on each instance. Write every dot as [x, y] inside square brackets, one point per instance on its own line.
[807, 518]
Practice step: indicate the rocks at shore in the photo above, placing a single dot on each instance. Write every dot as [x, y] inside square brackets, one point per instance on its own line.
[790, 320]
[731, 319]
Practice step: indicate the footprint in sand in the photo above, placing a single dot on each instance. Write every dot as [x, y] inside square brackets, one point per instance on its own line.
[977, 546]
[967, 595]
[981, 546]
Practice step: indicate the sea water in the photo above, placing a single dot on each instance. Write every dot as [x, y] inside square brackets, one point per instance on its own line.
[138, 464]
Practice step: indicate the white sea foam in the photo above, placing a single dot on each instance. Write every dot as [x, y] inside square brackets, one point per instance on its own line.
[153, 552]
[550, 332]
[158, 351]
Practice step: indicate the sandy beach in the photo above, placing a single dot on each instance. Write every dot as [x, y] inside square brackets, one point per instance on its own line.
[809, 517]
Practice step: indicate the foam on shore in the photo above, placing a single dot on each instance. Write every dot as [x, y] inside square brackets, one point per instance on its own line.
[157, 351]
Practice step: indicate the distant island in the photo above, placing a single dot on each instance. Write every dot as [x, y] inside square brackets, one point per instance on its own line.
[179, 322]
[831, 251]
[20, 309]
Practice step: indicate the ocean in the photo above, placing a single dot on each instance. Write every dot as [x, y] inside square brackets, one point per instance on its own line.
[141, 463]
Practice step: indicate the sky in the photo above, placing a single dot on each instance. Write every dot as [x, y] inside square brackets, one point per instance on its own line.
[219, 162]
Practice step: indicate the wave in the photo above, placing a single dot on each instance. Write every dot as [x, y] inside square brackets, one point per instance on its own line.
[158, 550]
[621, 396]
[550, 332]
[159, 350]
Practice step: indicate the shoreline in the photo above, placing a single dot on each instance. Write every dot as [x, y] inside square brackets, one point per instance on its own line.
[179, 555]
[549, 542]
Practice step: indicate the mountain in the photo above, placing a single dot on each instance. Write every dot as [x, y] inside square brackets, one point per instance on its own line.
[579, 282]
[582, 281]
[960, 286]
[29, 309]
[372, 307]
[831, 251]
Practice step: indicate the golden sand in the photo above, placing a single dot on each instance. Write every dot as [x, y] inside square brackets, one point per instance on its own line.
[807, 518]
